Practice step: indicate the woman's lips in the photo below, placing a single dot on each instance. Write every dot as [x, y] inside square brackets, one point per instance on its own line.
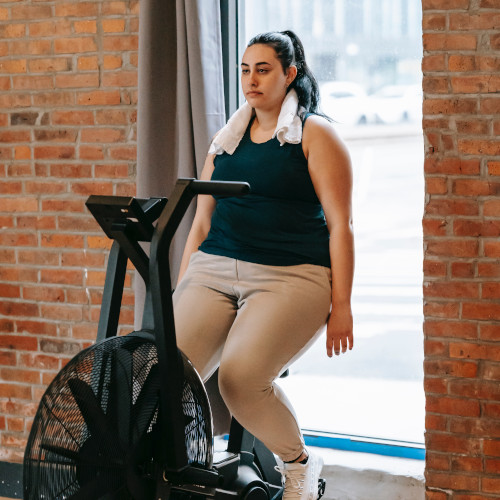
[253, 93]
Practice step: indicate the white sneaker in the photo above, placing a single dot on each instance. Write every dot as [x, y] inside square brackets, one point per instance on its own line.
[301, 480]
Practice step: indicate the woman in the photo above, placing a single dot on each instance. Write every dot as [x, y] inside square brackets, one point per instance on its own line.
[262, 274]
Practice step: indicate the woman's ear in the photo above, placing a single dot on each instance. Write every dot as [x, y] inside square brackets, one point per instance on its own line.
[291, 73]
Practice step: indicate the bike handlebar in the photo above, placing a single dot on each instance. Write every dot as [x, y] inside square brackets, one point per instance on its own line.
[220, 188]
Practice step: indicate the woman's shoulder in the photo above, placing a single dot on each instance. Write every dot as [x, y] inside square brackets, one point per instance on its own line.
[318, 129]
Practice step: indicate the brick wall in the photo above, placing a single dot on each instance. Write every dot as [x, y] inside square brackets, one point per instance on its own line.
[68, 93]
[461, 224]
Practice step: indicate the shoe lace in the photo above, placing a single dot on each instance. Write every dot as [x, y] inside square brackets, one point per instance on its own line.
[293, 481]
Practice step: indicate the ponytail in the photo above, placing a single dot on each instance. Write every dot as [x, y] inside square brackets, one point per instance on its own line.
[290, 52]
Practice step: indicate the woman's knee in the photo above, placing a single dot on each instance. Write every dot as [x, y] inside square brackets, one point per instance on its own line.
[239, 384]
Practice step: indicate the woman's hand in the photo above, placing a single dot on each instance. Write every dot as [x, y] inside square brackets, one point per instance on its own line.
[339, 330]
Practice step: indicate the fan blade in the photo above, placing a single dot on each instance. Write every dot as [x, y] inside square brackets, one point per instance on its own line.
[63, 452]
[146, 404]
[94, 417]
[120, 394]
[97, 489]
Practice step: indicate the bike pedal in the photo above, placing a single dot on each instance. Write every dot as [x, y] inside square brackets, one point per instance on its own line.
[321, 487]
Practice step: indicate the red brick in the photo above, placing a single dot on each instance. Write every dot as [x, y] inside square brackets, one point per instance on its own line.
[467, 22]
[447, 443]
[15, 391]
[112, 171]
[36, 327]
[445, 41]
[475, 187]
[43, 293]
[433, 21]
[60, 27]
[468, 350]
[452, 289]
[452, 248]
[454, 368]
[490, 485]
[476, 228]
[447, 206]
[436, 185]
[479, 147]
[492, 466]
[488, 269]
[444, 4]
[74, 45]
[88, 63]
[451, 329]
[490, 290]
[491, 410]
[19, 375]
[120, 79]
[453, 481]
[54, 152]
[8, 358]
[91, 153]
[62, 312]
[77, 9]
[474, 127]
[39, 361]
[84, 80]
[436, 422]
[62, 205]
[99, 98]
[87, 26]
[103, 135]
[458, 62]
[62, 240]
[489, 332]
[441, 309]
[491, 447]
[72, 117]
[472, 84]
[435, 348]
[449, 106]
[18, 342]
[463, 269]
[62, 276]
[434, 268]
[466, 464]
[38, 257]
[119, 43]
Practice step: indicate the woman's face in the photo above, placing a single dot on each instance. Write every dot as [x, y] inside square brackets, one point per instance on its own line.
[263, 81]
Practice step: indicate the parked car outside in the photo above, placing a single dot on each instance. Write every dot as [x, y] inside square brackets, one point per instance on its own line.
[397, 103]
[345, 102]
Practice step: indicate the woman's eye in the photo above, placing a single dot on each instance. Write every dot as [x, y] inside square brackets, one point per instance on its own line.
[262, 70]
[245, 71]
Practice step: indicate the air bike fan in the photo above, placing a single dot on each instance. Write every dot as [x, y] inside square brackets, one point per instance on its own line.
[129, 418]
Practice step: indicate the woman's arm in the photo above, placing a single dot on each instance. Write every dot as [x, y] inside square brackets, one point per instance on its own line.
[202, 219]
[330, 169]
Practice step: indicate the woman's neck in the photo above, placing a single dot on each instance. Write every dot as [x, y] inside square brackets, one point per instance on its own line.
[266, 120]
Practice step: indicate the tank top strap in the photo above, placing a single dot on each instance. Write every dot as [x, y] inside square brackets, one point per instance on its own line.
[306, 116]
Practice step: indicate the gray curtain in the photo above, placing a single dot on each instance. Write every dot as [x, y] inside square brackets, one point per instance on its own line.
[180, 107]
[181, 96]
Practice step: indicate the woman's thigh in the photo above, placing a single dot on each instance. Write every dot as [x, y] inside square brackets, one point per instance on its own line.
[203, 313]
[281, 313]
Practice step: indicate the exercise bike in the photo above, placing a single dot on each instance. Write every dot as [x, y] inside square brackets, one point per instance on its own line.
[129, 417]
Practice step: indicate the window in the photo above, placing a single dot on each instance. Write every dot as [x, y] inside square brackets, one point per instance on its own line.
[366, 56]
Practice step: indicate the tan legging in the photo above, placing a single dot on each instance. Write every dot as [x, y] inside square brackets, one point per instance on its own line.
[252, 321]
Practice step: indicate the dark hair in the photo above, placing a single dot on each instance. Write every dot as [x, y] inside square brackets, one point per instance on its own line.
[290, 51]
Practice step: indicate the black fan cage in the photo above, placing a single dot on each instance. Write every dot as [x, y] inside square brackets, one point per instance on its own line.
[97, 424]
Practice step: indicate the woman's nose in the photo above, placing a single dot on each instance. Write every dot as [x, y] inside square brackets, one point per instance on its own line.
[253, 78]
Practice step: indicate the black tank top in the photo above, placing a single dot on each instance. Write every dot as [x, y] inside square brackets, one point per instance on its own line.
[281, 222]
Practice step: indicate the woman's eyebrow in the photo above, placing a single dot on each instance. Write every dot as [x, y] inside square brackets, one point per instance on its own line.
[257, 64]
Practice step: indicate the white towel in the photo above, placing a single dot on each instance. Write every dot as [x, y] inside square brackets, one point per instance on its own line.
[288, 129]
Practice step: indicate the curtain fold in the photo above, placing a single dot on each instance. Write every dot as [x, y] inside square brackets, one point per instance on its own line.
[180, 107]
